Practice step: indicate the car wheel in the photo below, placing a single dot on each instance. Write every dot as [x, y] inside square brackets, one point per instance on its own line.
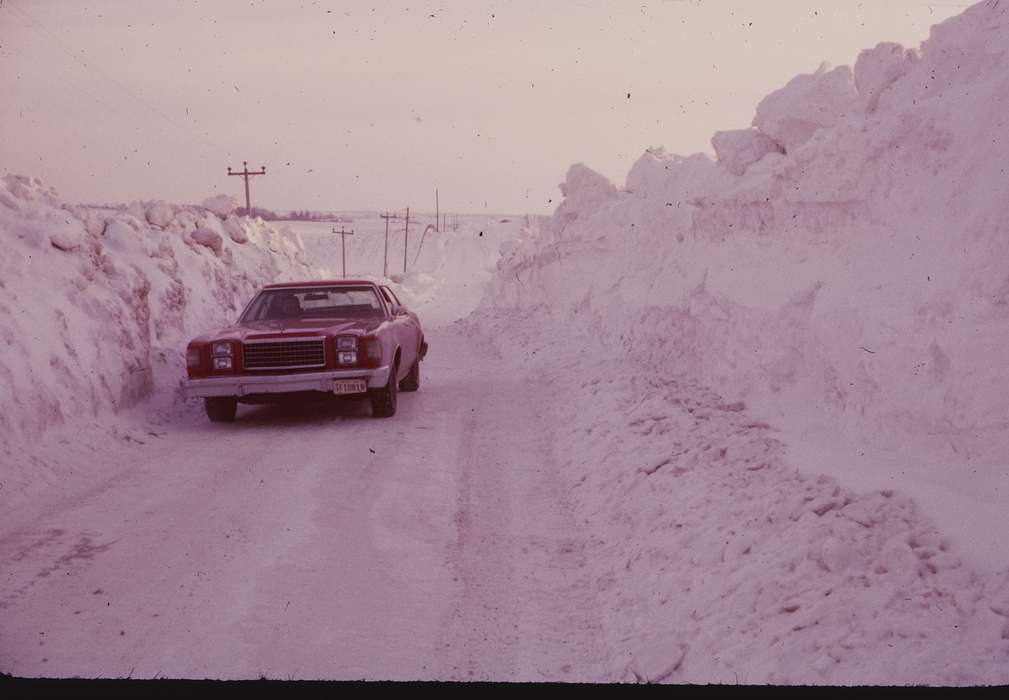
[221, 409]
[411, 382]
[383, 401]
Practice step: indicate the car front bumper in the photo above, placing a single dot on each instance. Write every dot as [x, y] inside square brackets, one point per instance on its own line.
[243, 385]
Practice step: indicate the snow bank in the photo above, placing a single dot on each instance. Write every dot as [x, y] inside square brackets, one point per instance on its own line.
[712, 559]
[96, 305]
[840, 270]
[857, 279]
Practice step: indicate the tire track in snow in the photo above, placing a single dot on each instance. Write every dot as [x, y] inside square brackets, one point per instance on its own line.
[525, 609]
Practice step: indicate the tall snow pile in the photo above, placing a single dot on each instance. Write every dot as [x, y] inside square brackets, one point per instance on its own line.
[839, 271]
[96, 305]
[844, 259]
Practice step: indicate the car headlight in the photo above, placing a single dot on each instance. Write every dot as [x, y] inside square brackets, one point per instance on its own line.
[222, 363]
[348, 358]
[222, 350]
[346, 342]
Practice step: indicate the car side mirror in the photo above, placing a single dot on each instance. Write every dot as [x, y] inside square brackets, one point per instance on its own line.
[398, 310]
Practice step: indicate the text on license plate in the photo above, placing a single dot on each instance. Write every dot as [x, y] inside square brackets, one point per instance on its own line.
[349, 386]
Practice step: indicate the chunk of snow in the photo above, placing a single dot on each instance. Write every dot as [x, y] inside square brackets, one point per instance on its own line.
[67, 238]
[878, 68]
[739, 149]
[583, 187]
[235, 230]
[208, 238]
[94, 224]
[790, 116]
[159, 214]
[137, 211]
[222, 204]
[836, 554]
[120, 236]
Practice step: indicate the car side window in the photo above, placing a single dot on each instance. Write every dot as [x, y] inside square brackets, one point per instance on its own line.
[390, 297]
[387, 298]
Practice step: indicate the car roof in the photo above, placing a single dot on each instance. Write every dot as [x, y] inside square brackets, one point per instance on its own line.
[321, 283]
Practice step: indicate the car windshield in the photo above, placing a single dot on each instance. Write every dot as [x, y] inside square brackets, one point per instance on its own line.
[314, 302]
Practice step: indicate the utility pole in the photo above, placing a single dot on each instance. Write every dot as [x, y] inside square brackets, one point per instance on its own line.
[385, 264]
[343, 247]
[437, 210]
[406, 238]
[246, 173]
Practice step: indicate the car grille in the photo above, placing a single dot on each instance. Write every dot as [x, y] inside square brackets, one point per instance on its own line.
[284, 354]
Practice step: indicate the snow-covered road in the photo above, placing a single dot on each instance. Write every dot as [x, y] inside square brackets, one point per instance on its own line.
[535, 511]
[315, 542]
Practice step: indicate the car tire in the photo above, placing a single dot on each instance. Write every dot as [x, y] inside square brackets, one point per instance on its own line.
[221, 409]
[411, 382]
[383, 401]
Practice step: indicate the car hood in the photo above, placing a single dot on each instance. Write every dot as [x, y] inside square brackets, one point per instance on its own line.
[259, 330]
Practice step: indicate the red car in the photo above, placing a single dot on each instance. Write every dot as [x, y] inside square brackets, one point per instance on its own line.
[327, 337]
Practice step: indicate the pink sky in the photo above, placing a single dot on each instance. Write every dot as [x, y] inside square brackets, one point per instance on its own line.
[354, 105]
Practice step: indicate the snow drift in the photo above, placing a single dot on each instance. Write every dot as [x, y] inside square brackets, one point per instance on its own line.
[712, 559]
[837, 271]
[840, 266]
[96, 304]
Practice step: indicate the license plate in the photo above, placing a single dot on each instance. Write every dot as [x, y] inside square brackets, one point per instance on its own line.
[349, 386]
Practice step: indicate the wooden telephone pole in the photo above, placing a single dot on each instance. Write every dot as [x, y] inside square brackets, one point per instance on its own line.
[343, 247]
[246, 173]
[406, 238]
[385, 265]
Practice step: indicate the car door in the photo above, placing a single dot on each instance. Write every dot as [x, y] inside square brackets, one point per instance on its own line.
[407, 330]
